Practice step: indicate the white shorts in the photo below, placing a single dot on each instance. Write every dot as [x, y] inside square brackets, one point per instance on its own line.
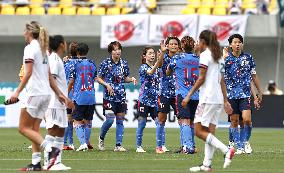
[57, 117]
[208, 114]
[36, 106]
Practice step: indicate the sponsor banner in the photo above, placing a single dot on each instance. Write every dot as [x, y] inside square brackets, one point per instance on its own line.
[162, 26]
[9, 115]
[129, 30]
[223, 26]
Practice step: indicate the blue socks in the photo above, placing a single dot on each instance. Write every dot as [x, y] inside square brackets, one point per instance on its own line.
[119, 130]
[163, 137]
[181, 135]
[231, 137]
[159, 129]
[68, 134]
[242, 137]
[247, 130]
[236, 137]
[187, 136]
[139, 131]
[106, 125]
[80, 131]
[88, 130]
[192, 135]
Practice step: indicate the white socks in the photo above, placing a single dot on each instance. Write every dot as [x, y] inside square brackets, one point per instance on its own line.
[212, 140]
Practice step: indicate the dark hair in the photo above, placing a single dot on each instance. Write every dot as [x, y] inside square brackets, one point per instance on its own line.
[82, 49]
[144, 52]
[230, 40]
[72, 50]
[172, 38]
[188, 44]
[110, 47]
[211, 41]
[55, 41]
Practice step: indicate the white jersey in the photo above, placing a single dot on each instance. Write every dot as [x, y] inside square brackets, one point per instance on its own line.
[57, 70]
[210, 90]
[38, 84]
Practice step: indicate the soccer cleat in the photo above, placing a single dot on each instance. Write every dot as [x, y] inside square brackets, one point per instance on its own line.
[228, 157]
[59, 167]
[248, 148]
[31, 167]
[179, 150]
[140, 150]
[52, 156]
[240, 151]
[67, 147]
[159, 150]
[90, 147]
[231, 144]
[201, 168]
[72, 146]
[164, 148]
[83, 147]
[119, 149]
[186, 150]
[101, 145]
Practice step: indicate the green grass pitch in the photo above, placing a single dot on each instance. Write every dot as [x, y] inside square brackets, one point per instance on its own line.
[267, 156]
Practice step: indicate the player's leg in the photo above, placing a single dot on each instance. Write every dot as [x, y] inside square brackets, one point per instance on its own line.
[110, 116]
[79, 126]
[246, 115]
[120, 110]
[88, 117]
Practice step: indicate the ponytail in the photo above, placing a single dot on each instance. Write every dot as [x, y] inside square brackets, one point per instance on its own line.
[43, 40]
[210, 39]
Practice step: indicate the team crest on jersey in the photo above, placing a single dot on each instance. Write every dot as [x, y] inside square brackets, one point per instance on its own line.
[142, 109]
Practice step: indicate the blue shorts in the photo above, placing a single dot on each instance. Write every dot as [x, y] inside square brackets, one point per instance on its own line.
[165, 104]
[115, 107]
[83, 112]
[69, 111]
[238, 105]
[144, 111]
[189, 111]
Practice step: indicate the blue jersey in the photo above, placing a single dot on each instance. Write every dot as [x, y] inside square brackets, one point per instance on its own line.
[238, 71]
[186, 70]
[167, 83]
[149, 86]
[68, 65]
[114, 74]
[84, 74]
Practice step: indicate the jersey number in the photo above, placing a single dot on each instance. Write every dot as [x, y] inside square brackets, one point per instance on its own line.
[89, 84]
[193, 76]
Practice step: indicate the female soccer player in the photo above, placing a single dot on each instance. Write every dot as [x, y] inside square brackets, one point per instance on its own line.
[185, 65]
[212, 100]
[114, 71]
[56, 115]
[239, 72]
[37, 80]
[82, 80]
[148, 96]
[68, 65]
[166, 97]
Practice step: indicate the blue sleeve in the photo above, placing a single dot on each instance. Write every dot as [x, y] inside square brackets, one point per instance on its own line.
[142, 70]
[102, 69]
[95, 69]
[172, 64]
[126, 69]
[73, 71]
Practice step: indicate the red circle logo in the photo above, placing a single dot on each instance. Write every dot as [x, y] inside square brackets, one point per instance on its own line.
[222, 30]
[172, 28]
[123, 30]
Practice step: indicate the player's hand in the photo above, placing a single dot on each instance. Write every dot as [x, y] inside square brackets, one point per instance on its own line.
[163, 46]
[256, 104]
[185, 101]
[259, 97]
[225, 52]
[69, 104]
[110, 90]
[133, 80]
[14, 98]
[228, 108]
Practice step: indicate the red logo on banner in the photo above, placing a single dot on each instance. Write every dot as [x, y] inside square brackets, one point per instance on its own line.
[172, 28]
[123, 30]
[222, 30]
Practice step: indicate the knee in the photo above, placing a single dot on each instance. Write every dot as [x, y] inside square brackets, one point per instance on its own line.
[22, 130]
[119, 120]
[234, 122]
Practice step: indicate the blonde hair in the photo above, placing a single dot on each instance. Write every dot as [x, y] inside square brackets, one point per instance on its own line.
[39, 33]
